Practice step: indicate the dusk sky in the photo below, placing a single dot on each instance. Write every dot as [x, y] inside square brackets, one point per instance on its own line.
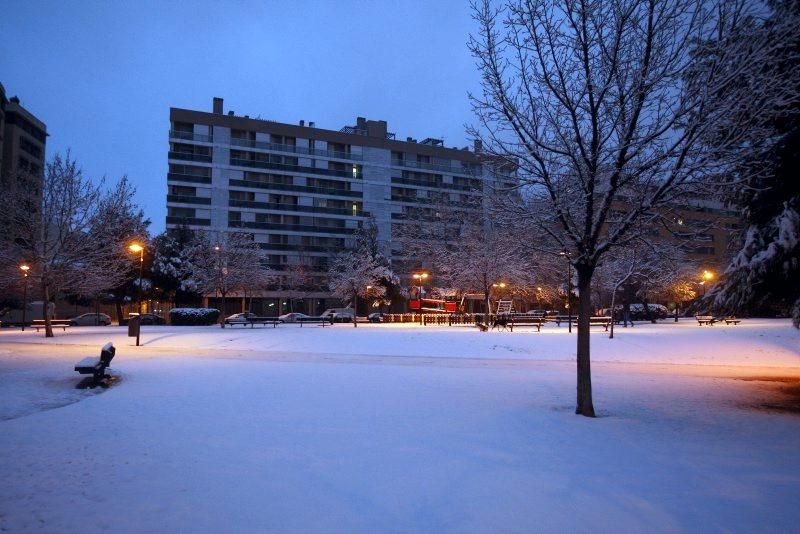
[103, 75]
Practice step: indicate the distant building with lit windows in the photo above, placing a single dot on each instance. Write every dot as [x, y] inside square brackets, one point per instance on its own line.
[303, 191]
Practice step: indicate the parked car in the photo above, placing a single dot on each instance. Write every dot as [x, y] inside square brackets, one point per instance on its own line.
[151, 318]
[292, 317]
[339, 315]
[239, 317]
[377, 317]
[90, 319]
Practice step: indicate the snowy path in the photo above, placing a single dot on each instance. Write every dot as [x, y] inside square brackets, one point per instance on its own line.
[206, 432]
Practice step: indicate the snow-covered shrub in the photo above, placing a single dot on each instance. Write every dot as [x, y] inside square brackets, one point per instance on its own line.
[193, 316]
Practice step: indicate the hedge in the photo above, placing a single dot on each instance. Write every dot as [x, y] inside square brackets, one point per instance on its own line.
[193, 316]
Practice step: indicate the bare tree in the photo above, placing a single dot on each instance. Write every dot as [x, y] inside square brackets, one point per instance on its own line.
[653, 265]
[223, 263]
[354, 275]
[66, 236]
[606, 112]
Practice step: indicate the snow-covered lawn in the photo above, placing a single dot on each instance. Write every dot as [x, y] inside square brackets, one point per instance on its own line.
[400, 428]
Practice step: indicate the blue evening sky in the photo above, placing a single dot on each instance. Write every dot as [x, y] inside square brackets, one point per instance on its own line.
[103, 75]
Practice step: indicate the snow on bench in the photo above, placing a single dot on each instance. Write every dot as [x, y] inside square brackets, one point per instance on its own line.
[96, 366]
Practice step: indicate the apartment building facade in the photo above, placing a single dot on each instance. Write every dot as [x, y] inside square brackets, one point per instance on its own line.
[22, 147]
[302, 192]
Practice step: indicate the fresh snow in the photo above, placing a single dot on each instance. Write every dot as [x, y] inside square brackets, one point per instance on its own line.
[400, 428]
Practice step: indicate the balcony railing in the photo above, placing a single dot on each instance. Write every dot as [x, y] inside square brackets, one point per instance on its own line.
[436, 185]
[190, 136]
[297, 188]
[290, 227]
[186, 199]
[205, 158]
[450, 169]
[175, 177]
[299, 247]
[235, 203]
[292, 168]
[292, 149]
[188, 221]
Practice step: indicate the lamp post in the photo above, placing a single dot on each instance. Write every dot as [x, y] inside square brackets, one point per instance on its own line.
[707, 277]
[567, 255]
[25, 268]
[419, 277]
[136, 247]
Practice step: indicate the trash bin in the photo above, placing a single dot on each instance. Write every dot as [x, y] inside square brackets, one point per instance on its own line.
[133, 325]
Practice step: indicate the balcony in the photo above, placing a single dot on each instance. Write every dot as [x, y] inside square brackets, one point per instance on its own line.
[291, 168]
[188, 199]
[188, 221]
[434, 185]
[289, 227]
[297, 188]
[188, 156]
[174, 177]
[291, 149]
[435, 167]
[190, 136]
[299, 247]
[293, 207]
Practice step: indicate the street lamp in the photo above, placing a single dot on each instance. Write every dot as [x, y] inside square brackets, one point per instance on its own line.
[567, 255]
[136, 247]
[25, 268]
[707, 277]
[420, 277]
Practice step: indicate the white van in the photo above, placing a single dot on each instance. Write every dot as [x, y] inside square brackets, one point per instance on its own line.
[32, 311]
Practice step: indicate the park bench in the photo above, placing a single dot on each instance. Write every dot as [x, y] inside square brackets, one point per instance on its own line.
[521, 320]
[564, 318]
[605, 322]
[55, 323]
[731, 320]
[705, 319]
[598, 320]
[254, 321]
[96, 366]
[322, 321]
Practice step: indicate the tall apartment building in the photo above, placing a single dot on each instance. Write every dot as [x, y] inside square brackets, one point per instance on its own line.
[303, 191]
[22, 146]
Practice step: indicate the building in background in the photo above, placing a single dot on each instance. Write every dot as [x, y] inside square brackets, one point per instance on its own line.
[22, 147]
[303, 191]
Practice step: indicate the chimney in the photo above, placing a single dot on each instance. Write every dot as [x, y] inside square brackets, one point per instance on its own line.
[302, 122]
[310, 124]
[478, 145]
[217, 105]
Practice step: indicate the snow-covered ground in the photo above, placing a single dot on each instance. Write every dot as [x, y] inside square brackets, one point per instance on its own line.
[401, 428]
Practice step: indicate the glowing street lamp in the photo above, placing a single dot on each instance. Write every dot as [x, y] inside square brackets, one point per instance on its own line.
[420, 278]
[137, 248]
[25, 268]
[707, 276]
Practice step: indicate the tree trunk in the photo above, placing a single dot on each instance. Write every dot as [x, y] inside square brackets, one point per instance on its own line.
[222, 313]
[585, 406]
[613, 298]
[48, 326]
[118, 307]
[647, 312]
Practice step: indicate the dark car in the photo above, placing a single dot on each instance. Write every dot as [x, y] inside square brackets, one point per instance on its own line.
[151, 318]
